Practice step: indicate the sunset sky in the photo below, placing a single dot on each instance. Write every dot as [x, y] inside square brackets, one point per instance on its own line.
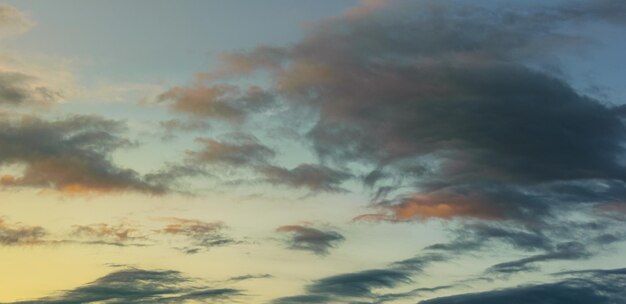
[345, 151]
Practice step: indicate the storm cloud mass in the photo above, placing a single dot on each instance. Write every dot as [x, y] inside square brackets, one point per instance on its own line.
[446, 95]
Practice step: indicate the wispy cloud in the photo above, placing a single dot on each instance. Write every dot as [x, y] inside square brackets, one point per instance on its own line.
[202, 235]
[591, 287]
[134, 285]
[16, 234]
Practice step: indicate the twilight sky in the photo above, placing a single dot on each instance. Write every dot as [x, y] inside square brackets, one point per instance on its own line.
[373, 151]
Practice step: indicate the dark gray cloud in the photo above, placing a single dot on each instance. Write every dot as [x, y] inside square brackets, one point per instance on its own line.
[564, 251]
[311, 239]
[71, 155]
[418, 263]
[15, 234]
[390, 297]
[473, 237]
[451, 108]
[564, 240]
[317, 178]
[447, 96]
[601, 286]
[141, 286]
[250, 277]
[364, 286]
[594, 272]
[303, 299]
[359, 284]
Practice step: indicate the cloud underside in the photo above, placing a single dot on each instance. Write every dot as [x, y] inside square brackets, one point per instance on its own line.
[141, 286]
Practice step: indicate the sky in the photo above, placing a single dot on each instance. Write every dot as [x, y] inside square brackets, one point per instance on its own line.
[373, 151]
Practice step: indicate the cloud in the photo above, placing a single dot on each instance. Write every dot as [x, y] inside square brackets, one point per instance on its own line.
[450, 98]
[317, 178]
[12, 21]
[239, 150]
[20, 235]
[250, 277]
[472, 237]
[172, 126]
[607, 286]
[118, 235]
[203, 235]
[302, 299]
[70, 155]
[311, 239]
[410, 294]
[366, 285]
[134, 285]
[564, 251]
[418, 263]
[221, 101]
[21, 89]
[359, 284]
[27, 80]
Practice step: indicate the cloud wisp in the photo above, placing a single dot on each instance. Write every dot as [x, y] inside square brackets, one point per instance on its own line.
[368, 285]
[597, 286]
[15, 234]
[135, 285]
[202, 235]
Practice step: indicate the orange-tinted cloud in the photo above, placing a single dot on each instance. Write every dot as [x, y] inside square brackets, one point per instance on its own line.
[437, 206]
[221, 101]
[444, 207]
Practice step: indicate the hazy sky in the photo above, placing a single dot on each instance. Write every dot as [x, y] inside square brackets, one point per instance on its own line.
[373, 151]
